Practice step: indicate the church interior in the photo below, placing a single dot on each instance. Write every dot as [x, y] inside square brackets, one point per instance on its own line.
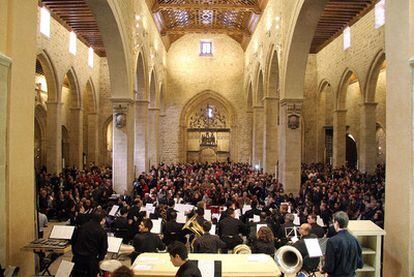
[304, 103]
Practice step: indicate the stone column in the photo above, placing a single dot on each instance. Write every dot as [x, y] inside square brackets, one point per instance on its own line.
[76, 138]
[123, 141]
[257, 141]
[153, 131]
[290, 147]
[270, 139]
[399, 189]
[249, 130]
[141, 136]
[93, 142]
[368, 140]
[54, 137]
[339, 138]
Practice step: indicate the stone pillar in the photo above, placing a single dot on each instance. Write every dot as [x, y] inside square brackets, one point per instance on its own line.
[270, 139]
[54, 137]
[368, 140]
[257, 141]
[153, 131]
[339, 138]
[76, 138]
[290, 147]
[93, 142]
[141, 136]
[123, 141]
[399, 189]
[249, 130]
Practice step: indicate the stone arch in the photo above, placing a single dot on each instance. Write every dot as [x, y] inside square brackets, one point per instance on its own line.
[325, 110]
[195, 102]
[273, 73]
[40, 121]
[107, 16]
[343, 88]
[65, 147]
[249, 96]
[153, 103]
[76, 99]
[299, 39]
[90, 124]
[162, 99]
[53, 94]
[140, 81]
[372, 78]
[90, 97]
[260, 93]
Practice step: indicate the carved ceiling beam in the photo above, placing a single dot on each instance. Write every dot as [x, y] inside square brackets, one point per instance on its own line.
[217, 7]
[205, 30]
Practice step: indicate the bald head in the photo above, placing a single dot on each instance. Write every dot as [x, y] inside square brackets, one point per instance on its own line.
[305, 229]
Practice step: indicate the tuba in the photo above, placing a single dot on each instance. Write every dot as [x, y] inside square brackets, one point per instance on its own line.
[289, 260]
[242, 249]
[195, 228]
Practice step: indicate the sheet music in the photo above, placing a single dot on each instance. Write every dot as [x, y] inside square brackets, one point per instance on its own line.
[296, 221]
[156, 226]
[246, 208]
[237, 213]
[258, 226]
[181, 218]
[114, 210]
[65, 268]
[313, 247]
[217, 216]
[319, 221]
[62, 232]
[207, 215]
[183, 207]
[213, 230]
[206, 268]
[114, 244]
[149, 208]
[256, 218]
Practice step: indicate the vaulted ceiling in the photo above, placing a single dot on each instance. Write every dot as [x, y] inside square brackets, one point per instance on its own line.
[337, 15]
[236, 18]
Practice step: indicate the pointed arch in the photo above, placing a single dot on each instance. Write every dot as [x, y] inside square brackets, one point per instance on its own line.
[372, 78]
[273, 73]
[76, 99]
[249, 96]
[346, 78]
[162, 99]
[140, 81]
[54, 94]
[260, 93]
[90, 100]
[153, 90]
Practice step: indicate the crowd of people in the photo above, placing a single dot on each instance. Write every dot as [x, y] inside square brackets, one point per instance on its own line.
[223, 188]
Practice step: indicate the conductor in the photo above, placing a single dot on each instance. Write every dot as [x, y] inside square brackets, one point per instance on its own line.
[343, 252]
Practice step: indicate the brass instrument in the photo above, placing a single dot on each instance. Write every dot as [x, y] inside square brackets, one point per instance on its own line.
[289, 260]
[242, 249]
[195, 228]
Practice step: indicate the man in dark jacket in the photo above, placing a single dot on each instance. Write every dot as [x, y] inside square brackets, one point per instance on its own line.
[89, 246]
[343, 252]
[230, 229]
[145, 241]
[309, 264]
[172, 230]
[208, 243]
[179, 258]
[316, 229]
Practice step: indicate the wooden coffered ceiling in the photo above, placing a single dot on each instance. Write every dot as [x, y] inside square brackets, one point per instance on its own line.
[236, 18]
[337, 15]
[76, 16]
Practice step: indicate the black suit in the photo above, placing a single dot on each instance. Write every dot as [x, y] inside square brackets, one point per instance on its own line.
[208, 243]
[317, 230]
[188, 269]
[343, 255]
[146, 242]
[229, 230]
[250, 214]
[309, 264]
[120, 228]
[173, 231]
[89, 246]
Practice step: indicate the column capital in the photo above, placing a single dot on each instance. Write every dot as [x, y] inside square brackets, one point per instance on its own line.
[368, 104]
[116, 101]
[340, 111]
[292, 106]
[76, 109]
[270, 98]
[50, 103]
[154, 109]
[141, 101]
[257, 107]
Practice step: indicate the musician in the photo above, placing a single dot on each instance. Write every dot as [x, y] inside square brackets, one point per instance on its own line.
[343, 252]
[179, 258]
[145, 241]
[316, 229]
[285, 229]
[309, 264]
[208, 243]
[264, 242]
[230, 229]
[135, 216]
[225, 214]
[120, 226]
[252, 212]
[89, 246]
[172, 230]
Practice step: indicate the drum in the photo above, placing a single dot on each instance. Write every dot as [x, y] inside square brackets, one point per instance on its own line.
[126, 249]
[109, 266]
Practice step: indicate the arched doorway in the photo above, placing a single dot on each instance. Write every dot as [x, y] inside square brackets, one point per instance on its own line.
[208, 129]
[90, 125]
[351, 151]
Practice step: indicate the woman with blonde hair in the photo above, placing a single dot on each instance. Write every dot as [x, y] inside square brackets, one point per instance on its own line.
[264, 242]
